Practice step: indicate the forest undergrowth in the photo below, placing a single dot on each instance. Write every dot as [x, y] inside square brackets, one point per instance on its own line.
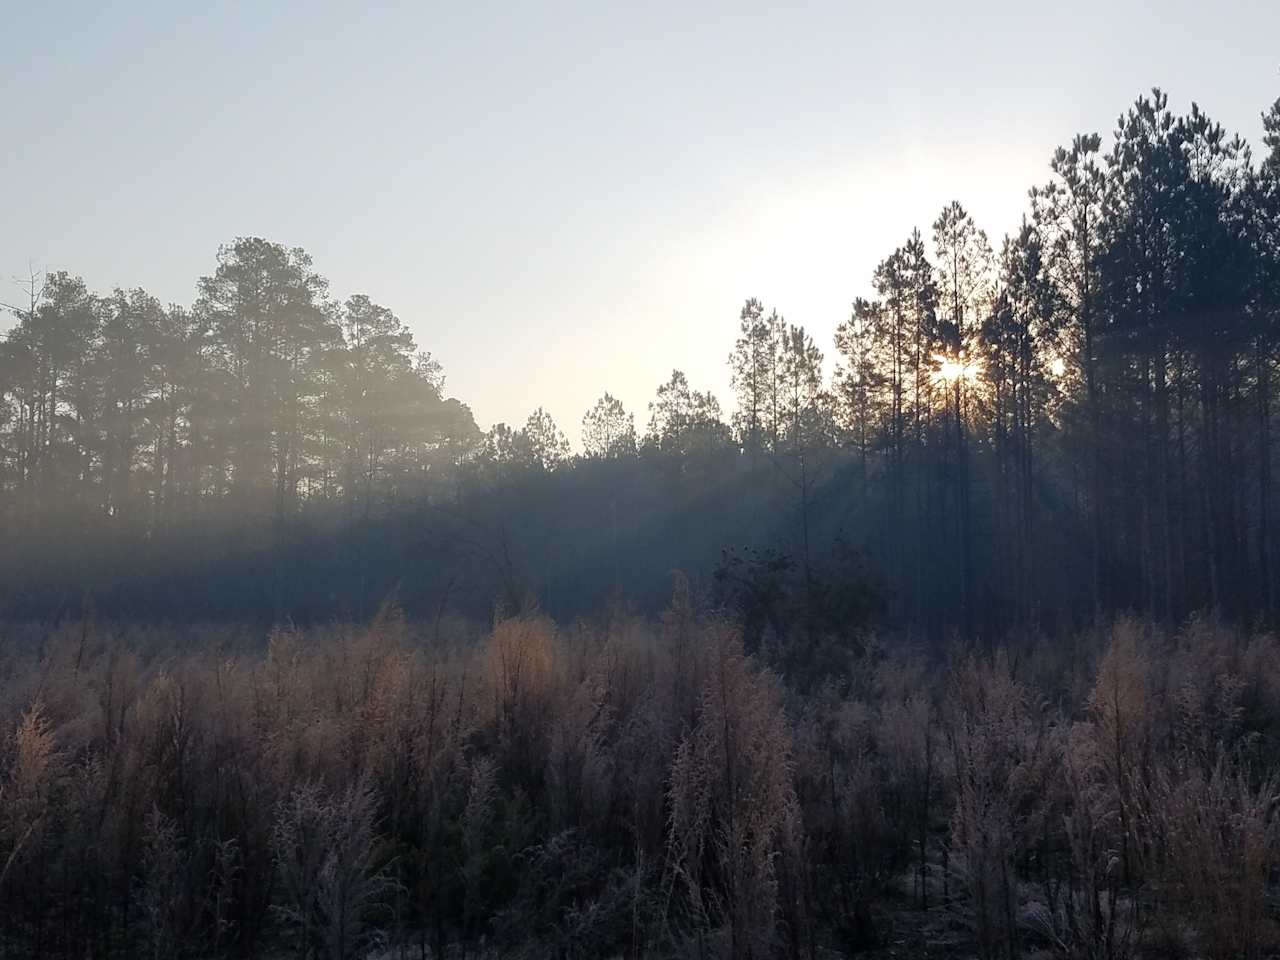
[634, 788]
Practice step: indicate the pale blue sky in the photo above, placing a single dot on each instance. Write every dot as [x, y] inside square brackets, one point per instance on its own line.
[568, 198]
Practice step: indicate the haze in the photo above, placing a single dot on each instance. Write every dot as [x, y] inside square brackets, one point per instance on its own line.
[792, 483]
[572, 198]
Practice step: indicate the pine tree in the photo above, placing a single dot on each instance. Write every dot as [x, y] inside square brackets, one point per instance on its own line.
[608, 431]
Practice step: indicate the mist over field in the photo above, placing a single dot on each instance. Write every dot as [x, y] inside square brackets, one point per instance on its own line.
[939, 622]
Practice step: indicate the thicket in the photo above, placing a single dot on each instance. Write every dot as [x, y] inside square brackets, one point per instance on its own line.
[633, 788]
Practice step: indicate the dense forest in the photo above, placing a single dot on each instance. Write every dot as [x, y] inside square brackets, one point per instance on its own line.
[1075, 424]
[962, 650]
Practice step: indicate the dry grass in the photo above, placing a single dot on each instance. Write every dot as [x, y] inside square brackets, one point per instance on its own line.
[636, 789]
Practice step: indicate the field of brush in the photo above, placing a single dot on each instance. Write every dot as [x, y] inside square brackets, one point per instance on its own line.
[635, 788]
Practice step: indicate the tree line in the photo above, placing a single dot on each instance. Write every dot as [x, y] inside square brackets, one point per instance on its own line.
[1073, 424]
[264, 395]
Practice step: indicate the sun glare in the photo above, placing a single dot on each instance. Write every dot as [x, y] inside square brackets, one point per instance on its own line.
[951, 369]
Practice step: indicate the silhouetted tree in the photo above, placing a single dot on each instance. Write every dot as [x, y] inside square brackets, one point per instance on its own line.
[608, 431]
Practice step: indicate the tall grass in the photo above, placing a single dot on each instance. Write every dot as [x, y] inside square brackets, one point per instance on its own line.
[637, 789]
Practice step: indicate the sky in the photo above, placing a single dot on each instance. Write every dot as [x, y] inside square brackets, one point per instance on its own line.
[566, 198]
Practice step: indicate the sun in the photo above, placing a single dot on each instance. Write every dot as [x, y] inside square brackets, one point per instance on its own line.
[952, 369]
